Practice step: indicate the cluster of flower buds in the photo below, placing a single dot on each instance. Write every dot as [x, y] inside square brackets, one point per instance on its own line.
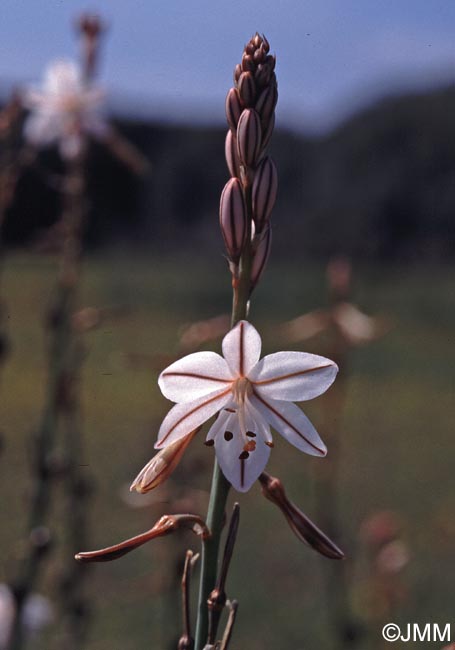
[248, 197]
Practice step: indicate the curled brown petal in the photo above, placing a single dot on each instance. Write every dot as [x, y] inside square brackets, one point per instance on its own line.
[300, 524]
[164, 526]
[161, 466]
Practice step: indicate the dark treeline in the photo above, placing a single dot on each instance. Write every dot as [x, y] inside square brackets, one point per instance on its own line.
[382, 185]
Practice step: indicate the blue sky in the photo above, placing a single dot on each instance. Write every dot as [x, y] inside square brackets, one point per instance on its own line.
[175, 58]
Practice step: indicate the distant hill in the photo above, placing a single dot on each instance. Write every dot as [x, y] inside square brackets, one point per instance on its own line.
[381, 185]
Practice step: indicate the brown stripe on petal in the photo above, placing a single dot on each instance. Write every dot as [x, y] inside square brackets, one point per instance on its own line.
[196, 376]
[298, 373]
[193, 410]
[289, 424]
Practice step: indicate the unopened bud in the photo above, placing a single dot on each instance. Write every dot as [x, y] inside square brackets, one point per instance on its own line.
[161, 466]
[300, 524]
[261, 255]
[233, 218]
[233, 108]
[237, 72]
[263, 75]
[265, 186]
[232, 154]
[268, 132]
[247, 62]
[247, 88]
[249, 137]
[266, 103]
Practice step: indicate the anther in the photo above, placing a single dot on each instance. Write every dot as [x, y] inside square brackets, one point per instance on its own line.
[244, 455]
[228, 435]
[251, 434]
[209, 443]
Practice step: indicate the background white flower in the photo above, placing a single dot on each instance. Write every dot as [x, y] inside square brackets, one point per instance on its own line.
[250, 396]
[63, 109]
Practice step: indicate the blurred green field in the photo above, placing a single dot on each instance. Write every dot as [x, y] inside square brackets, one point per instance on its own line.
[398, 443]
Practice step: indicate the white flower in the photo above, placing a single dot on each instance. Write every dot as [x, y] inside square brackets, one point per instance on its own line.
[250, 395]
[63, 109]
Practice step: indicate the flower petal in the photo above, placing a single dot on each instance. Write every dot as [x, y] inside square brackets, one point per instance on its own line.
[194, 376]
[242, 348]
[293, 376]
[291, 422]
[241, 473]
[183, 418]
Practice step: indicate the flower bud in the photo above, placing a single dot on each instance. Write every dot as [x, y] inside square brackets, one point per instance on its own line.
[247, 62]
[237, 72]
[233, 218]
[266, 103]
[264, 192]
[232, 155]
[261, 255]
[268, 131]
[233, 108]
[161, 466]
[249, 137]
[247, 88]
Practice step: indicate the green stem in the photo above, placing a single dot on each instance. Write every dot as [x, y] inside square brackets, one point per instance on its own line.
[220, 486]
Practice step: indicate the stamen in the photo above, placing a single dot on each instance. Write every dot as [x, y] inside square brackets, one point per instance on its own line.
[244, 455]
[251, 434]
[270, 444]
[209, 443]
[228, 435]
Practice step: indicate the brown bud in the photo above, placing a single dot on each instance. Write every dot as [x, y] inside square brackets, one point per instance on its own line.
[265, 43]
[256, 40]
[164, 526]
[263, 74]
[247, 63]
[233, 108]
[264, 192]
[260, 257]
[301, 525]
[259, 55]
[233, 218]
[266, 103]
[161, 466]
[247, 88]
[232, 154]
[268, 132]
[237, 72]
[249, 137]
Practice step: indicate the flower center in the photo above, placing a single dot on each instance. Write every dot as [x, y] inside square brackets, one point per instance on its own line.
[241, 388]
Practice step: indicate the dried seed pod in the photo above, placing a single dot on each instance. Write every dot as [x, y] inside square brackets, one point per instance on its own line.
[232, 155]
[247, 88]
[233, 108]
[233, 218]
[249, 137]
[264, 193]
[260, 257]
[266, 103]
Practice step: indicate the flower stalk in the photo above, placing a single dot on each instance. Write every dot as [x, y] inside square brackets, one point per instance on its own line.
[246, 142]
